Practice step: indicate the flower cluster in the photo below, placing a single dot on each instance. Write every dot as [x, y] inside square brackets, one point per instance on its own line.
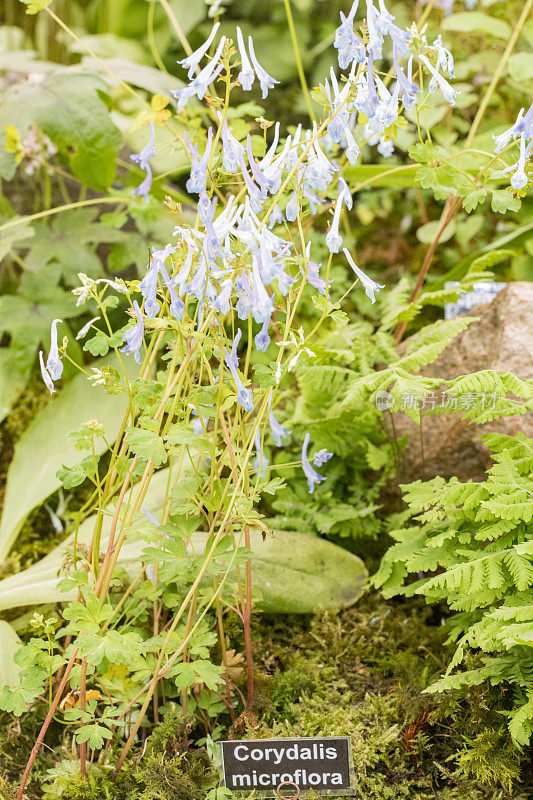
[364, 92]
[521, 131]
[238, 257]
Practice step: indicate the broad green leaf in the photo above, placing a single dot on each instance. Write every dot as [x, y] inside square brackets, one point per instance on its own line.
[15, 370]
[382, 175]
[15, 234]
[44, 448]
[9, 644]
[146, 445]
[477, 22]
[520, 67]
[69, 241]
[296, 573]
[426, 233]
[67, 106]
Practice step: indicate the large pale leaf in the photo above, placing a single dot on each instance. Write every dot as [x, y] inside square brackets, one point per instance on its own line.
[44, 448]
[9, 644]
[477, 22]
[68, 107]
[295, 572]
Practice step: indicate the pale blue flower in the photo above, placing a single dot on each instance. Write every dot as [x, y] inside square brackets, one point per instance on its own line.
[278, 431]
[244, 396]
[333, 237]
[54, 365]
[266, 81]
[349, 45]
[262, 339]
[321, 456]
[191, 62]
[246, 76]
[313, 272]
[143, 160]
[292, 208]
[262, 305]
[200, 84]
[198, 178]
[385, 147]
[263, 181]
[519, 179]
[86, 328]
[143, 189]
[276, 217]
[148, 151]
[46, 375]
[261, 461]
[444, 57]
[232, 358]
[438, 80]
[352, 148]
[369, 285]
[407, 88]
[232, 149]
[311, 474]
[148, 288]
[524, 126]
[134, 336]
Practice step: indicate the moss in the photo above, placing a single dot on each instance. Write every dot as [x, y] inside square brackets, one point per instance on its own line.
[362, 673]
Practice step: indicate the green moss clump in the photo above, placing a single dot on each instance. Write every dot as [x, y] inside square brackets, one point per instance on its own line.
[363, 674]
[166, 768]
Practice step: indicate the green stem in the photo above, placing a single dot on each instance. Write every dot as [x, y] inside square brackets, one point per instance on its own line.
[299, 65]
[526, 11]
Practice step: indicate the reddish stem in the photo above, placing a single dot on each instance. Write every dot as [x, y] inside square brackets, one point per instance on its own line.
[46, 724]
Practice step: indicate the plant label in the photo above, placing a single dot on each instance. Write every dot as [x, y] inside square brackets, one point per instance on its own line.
[482, 292]
[286, 767]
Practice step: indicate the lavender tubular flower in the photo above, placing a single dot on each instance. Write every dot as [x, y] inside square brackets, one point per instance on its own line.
[143, 189]
[444, 57]
[321, 457]
[262, 339]
[313, 272]
[148, 151]
[261, 461]
[148, 287]
[266, 81]
[438, 80]
[198, 178]
[46, 375]
[134, 336]
[292, 208]
[369, 285]
[246, 76]
[276, 217]
[191, 62]
[86, 328]
[311, 474]
[519, 179]
[244, 396]
[407, 89]
[143, 159]
[333, 237]
[232, 149]
[200, 83]
[54, 365]
[350, 47]
[278, 431]
[263, 181]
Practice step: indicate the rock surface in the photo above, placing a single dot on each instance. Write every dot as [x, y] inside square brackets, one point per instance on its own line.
[501, 340]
